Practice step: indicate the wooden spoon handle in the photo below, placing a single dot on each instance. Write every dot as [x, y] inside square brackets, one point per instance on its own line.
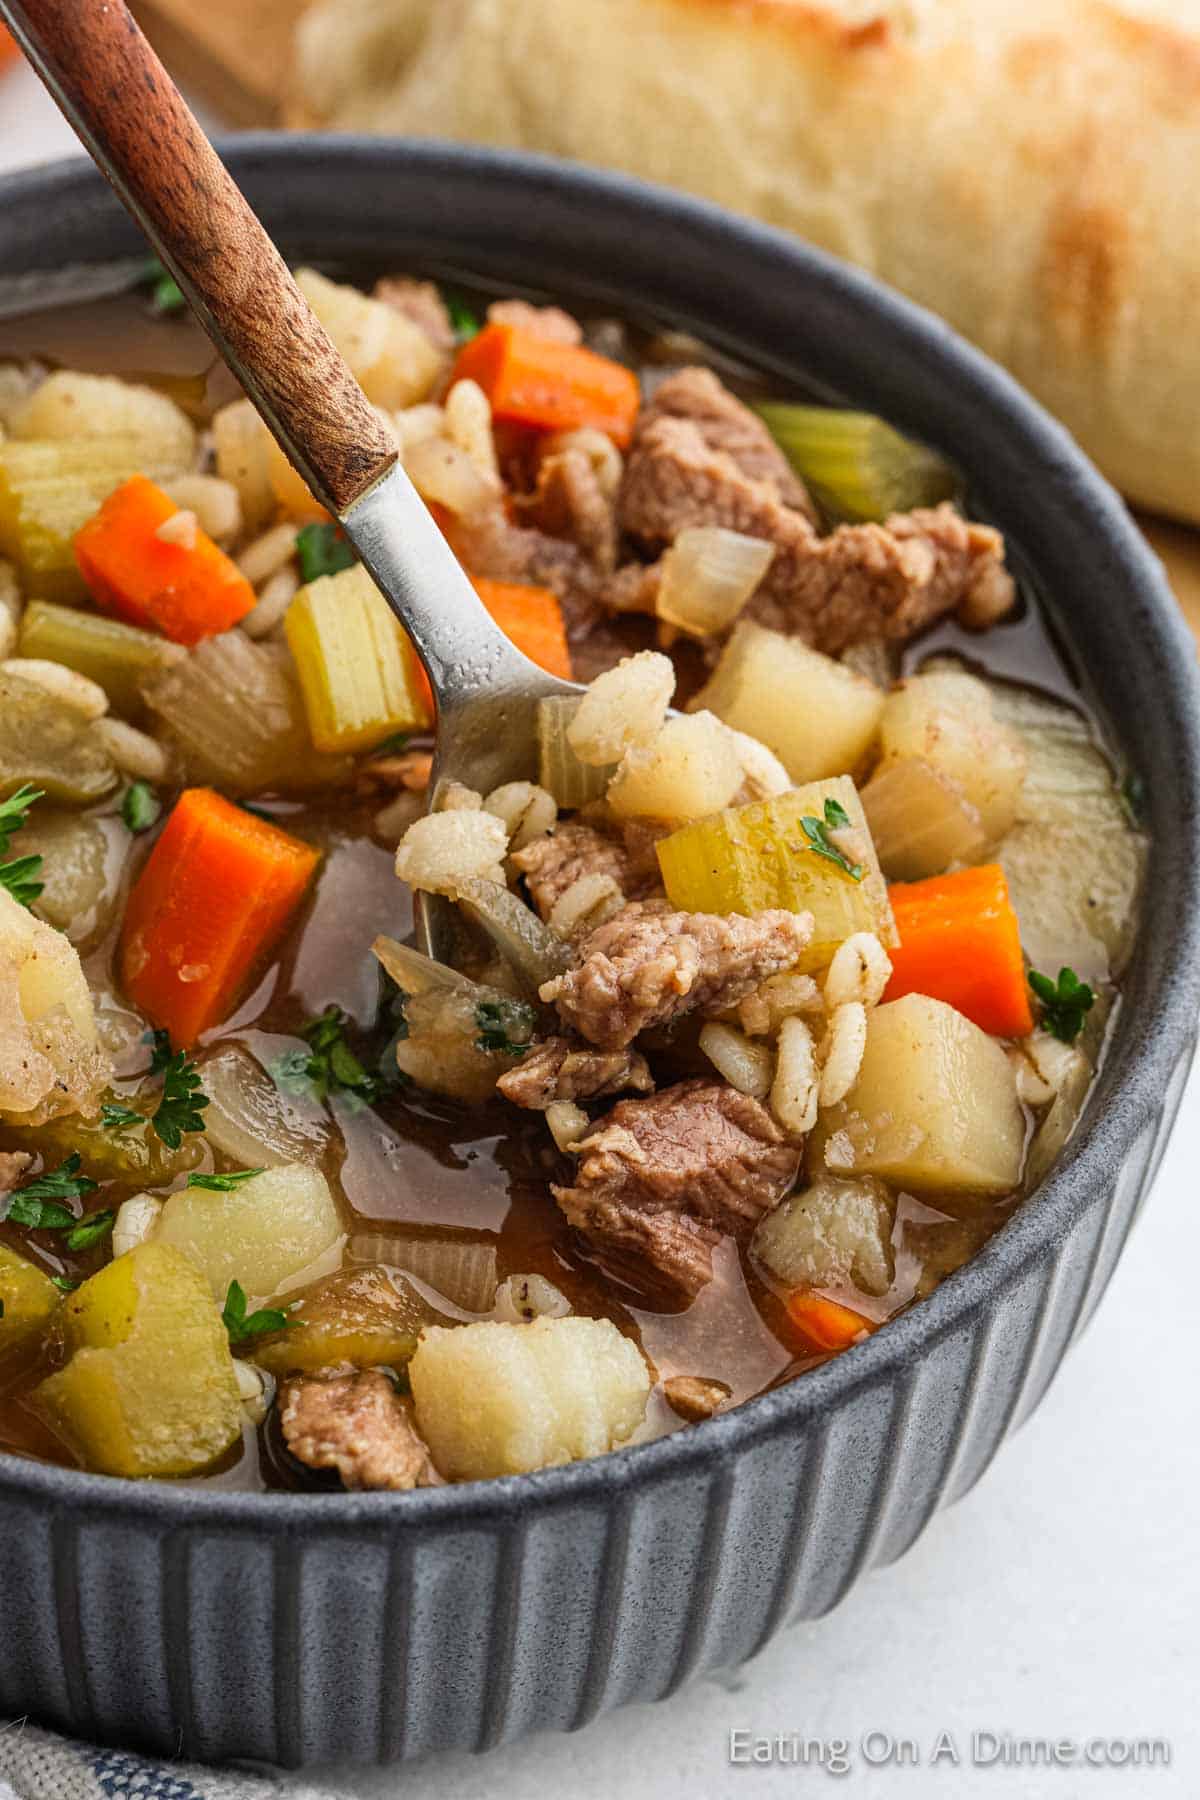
[106, 78]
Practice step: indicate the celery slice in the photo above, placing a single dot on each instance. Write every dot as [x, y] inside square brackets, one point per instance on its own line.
[50, 489]
[857, 466]
[749, 858]
[119, 657]
[358, 672]
[560, 772]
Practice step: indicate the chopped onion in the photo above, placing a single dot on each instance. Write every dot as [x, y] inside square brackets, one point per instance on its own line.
[251, 1122]
[414, 973]
[920, 820]
[462, 1270]
[533, 952]
[708, 575]
[572, 782]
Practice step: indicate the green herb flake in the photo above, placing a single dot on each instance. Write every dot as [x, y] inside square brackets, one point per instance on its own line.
[392, 746]
[223, 1184]
[182, 1101]
[505, 1026]
[329, 1066]
[464, 320]
[166, 295]
[140, 807]
[64, 1283]
[14, 812]
[1065, 1003]
[1133, 798]
[39, 1203]
[160, 1050]
[20, 876]
[91, 1230]
[817, 832]
[242, 1327]
[119, 1118]
[322, 550]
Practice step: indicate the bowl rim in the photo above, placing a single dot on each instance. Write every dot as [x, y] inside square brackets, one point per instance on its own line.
[1151, 1052]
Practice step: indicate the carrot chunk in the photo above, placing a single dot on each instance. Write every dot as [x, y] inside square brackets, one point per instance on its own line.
[213, 900]
[824, 1324]
[8, 46]
[554, 387]
[960, 942]
[185, 586]
[532, 618]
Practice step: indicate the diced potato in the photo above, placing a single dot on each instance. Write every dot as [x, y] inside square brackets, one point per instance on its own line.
[1073, 860]
[934, 1108]
[623, 709]
[818, 716]
[51, 1062]
[393, 359]
[48, 492]
[921, 821]
[241, 442]
[367, 1316]
[70, 405]
[358, 672]
[689, 771]
[260, 1233]
[28, 1301]
[758, 856]
[497, 1399]
[150, 1387]
[835, 1231]
[946, 718]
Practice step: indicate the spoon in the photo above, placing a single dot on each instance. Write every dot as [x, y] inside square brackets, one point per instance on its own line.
[129, 114]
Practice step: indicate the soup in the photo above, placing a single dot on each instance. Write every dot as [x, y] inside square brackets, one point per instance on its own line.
[777, 987]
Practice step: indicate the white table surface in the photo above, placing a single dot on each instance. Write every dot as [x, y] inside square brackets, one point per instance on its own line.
[1060, 1599]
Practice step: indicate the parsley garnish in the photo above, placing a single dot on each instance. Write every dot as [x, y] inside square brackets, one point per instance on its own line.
[223, 1184]
[1133, 797]
[20, 876]
[65, 1283]
[160, 1051]
[91, 1229]
[119, 1118]
[182, 1101]
[817, 832]
[38, 1203]
[141, 806]
[329, 1065]
[166, 295]
[392, 746]
[1065, 1003]
[239, 1327]
[505, 1026]
[464, 319]
[322, 550]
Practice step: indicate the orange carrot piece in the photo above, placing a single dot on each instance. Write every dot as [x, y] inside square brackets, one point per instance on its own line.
[186, 590]
[824, 1324]
[214, 898]
[532, 618]
[555, 387]
[960, 942]
[8, 47]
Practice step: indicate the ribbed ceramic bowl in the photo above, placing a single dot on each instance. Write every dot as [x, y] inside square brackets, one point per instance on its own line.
[309, 1627]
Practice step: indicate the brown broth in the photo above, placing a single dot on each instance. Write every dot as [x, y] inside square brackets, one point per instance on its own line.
[418, 1166]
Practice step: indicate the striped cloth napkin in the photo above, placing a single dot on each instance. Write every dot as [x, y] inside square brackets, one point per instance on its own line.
[36, 1765]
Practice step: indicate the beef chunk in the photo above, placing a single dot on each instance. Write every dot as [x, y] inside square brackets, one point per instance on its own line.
[356, 1424]
[549, 322]
[421, 302]
[862, 581]
[649, 965]
[561, 1070]
[569, 502]
[662, 1178]
[694, 1397]
[728, 426]
[552, 864]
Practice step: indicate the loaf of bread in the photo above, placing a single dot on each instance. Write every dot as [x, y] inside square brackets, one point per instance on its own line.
[1026, 168]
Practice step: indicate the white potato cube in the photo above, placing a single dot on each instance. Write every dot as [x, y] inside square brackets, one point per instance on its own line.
[946, 718]
[835, 1231]
[497, 1399]
[51, 1063]
[260, 1233]
[69, 406]
[934, 1108]
[818, 716]
[623, 709]
[393, 359]
[690, 771]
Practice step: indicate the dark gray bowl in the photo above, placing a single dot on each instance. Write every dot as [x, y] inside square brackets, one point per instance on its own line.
[305, 1628]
